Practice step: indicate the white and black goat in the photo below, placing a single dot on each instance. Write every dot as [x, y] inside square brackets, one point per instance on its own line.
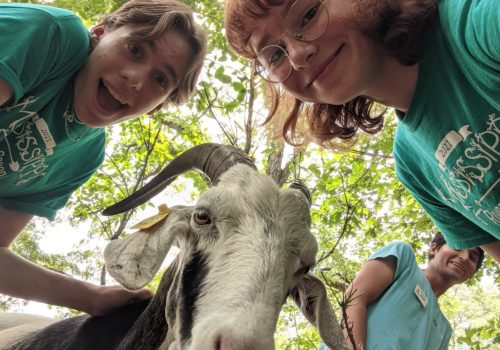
[244, 248]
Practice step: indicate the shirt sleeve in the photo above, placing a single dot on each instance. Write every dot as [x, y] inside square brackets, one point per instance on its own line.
[472, 32]
[401, 251]
[39, 44]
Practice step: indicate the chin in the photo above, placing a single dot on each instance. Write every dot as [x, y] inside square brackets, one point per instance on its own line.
[333, 97]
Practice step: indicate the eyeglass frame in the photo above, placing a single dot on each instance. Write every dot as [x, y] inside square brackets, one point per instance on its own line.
[297, 36]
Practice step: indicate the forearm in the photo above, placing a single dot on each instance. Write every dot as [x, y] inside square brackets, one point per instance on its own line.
[5, 92]
[355, 325]
[23, 279]
[493, 250]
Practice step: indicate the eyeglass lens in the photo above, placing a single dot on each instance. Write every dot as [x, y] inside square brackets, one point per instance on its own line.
[306, 20]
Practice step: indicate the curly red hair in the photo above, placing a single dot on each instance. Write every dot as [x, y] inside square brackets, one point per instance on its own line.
[396, 25]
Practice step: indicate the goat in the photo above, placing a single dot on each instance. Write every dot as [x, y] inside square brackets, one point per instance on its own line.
[244, 248]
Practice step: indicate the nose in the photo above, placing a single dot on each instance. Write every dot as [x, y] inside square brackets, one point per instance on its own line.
[134, 77]
[300, 53]
[466, 256]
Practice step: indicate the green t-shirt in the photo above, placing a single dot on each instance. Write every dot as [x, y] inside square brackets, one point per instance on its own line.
[45, 153]
[447, 146]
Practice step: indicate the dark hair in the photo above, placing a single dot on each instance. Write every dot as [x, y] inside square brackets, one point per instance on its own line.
[150, 20]
[438, 240]
[396, 25]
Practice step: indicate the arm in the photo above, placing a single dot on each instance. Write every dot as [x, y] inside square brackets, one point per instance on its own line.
[493, 250]
[369, 284]
[5, 92]
[23, 279]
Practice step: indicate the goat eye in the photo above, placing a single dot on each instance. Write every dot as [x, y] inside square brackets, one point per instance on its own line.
[202, 218]
[303, 271]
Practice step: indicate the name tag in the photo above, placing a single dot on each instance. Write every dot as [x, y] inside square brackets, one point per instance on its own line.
[419, 292]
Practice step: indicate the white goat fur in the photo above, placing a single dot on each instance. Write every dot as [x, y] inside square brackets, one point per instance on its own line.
[254, 251]
[258, 240]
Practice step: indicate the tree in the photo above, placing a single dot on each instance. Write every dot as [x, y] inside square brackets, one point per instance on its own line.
[358, 204]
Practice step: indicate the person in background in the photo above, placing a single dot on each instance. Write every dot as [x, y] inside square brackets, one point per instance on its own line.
[60, 85]
[436, 62]
[395, 303]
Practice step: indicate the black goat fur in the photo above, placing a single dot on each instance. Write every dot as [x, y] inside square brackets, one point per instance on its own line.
[137, 326]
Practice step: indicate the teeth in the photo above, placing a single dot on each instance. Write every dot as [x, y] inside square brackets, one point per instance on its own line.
[459, 266]
[115, 93]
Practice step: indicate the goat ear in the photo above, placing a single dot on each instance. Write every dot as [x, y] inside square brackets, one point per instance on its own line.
[310, 297]
[134, 260]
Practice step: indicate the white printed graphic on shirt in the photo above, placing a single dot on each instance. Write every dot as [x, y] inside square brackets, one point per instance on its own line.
[481, 152]
[24, 155]
[449, 143]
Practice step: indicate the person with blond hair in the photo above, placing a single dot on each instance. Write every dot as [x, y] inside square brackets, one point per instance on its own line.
[60, 85]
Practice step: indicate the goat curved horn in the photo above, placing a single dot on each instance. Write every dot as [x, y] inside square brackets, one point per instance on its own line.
[210, 158]
[299, 185]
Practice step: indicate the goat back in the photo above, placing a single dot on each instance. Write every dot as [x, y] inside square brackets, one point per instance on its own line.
[85, 332]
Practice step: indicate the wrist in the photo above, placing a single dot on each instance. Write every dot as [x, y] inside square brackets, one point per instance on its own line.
[85, 296]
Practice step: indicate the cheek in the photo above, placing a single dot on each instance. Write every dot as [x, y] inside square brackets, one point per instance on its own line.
[292, 86]
[150, 100]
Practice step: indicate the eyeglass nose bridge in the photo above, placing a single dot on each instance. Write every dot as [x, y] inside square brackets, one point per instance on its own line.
[299, 36]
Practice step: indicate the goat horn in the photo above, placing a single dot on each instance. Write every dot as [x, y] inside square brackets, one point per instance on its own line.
[210, 158]
[299, 185]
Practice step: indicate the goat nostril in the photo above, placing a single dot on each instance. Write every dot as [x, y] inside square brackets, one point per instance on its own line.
[218, 342]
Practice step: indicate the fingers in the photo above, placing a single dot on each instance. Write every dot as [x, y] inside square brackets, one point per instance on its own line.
[109, 298]
[143, 294]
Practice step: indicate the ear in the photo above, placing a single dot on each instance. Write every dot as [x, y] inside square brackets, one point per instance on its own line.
[134, 260]
[96, 33]
[433, 249]
[310, 297]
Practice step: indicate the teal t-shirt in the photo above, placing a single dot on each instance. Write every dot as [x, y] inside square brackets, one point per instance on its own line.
[398, 319]
[399, 315]
[45, 153]
[447, 147]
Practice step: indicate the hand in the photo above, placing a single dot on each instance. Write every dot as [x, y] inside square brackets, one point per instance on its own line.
[108, 298]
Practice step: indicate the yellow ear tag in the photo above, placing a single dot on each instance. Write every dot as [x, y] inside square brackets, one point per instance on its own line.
[163, 212]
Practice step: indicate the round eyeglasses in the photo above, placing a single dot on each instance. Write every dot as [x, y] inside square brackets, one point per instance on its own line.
[306, 20]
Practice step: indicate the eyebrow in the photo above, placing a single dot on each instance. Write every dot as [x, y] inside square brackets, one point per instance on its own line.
[166, 66]
[476, 251]
[264, 41]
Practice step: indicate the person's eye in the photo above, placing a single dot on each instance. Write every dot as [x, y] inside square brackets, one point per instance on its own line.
[161, 80]
[309, 15]
[276, 57]
[134, 49]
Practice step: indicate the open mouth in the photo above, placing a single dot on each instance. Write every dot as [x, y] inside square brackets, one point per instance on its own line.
[109, 98]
